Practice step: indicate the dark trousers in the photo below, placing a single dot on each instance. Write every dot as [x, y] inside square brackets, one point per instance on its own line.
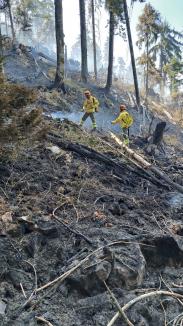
[92, 117]
[125, 135]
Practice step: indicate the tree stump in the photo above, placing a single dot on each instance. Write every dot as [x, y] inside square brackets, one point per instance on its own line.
[158, 133]
[155, 144]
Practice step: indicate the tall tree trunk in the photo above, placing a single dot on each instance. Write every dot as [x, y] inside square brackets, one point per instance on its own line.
[59, 77]
[1, 59]
[131, 53]
[6, 22]
[111, 51]
[66, 61]
[162, 84]
[94, 40]
[1, 43]
[147, 69]
[84, 59]
[11, 21]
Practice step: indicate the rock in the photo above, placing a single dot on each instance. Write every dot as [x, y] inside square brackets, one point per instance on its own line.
[16, 277]
[48, 229]
[152, 150]
[123, 266]
[55, 149]
[175, 200]
[103, 270]
[7, 217]
[129, 267]
[2, 307]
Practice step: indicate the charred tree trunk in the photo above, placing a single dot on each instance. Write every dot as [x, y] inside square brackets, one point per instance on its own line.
[1, 59]
[131, 53]
[59, 77]
[66, 61]
[84, 59]
[161, 72]
[1, 43]
[11, 21]
[155, 142]
[111, 52]
[94, 40]
[147, 70]
[158, 133]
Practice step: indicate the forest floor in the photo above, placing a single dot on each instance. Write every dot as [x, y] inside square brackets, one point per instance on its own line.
[59, 203]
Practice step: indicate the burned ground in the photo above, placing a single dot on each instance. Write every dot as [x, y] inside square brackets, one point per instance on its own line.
[58, 206]
[101, 208]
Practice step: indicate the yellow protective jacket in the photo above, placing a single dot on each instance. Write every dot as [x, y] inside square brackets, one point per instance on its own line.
[122, 119]
[91, 105]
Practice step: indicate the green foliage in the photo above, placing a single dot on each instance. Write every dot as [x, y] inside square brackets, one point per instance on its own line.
[167, 46]
[25, 10]
[116, 7]
[174, 70]
[160, 43]
[149, 26]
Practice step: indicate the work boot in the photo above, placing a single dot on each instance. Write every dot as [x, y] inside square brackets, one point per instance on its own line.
[81, 123]
[126, 141]
[94, 125]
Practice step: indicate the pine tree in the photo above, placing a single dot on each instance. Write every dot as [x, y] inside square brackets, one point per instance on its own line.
[168, 45]
[11, 20]
[84, 58]
[148, 32]
[174, 70]
[94, 39]
[59, 77]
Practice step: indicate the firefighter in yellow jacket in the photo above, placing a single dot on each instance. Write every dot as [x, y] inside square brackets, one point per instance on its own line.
[125, 120]
[90, 106]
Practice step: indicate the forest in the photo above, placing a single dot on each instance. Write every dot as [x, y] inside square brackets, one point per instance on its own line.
[91, 170]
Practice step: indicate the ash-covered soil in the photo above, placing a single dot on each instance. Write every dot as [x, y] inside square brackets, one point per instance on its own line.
[71, 223]
[57, 207]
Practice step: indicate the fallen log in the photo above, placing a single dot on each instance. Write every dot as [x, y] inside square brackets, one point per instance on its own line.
[147, 165]
[42, 55]
[130, 152]
[133, 162]
[119, 168]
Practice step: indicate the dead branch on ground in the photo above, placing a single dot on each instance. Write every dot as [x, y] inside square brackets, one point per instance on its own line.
[141, 297]
[69, 228]
[42, 319]
[123, 315]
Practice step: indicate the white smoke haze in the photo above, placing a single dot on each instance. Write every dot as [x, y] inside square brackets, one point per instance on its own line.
[41, 35]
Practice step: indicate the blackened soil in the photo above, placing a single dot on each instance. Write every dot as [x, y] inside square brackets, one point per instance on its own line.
[35, 248]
